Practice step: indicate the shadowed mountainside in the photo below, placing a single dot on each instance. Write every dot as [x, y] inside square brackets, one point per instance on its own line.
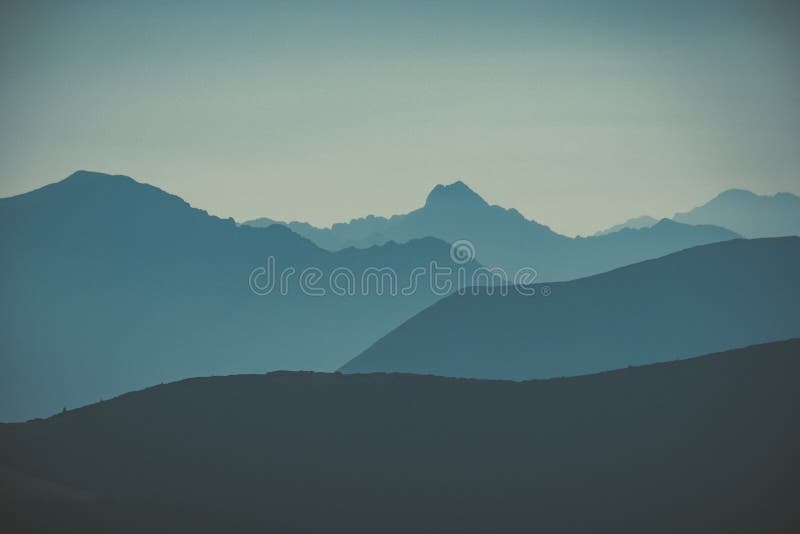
[504, 238]
[709, 298]
[700, 445]
[108, 285]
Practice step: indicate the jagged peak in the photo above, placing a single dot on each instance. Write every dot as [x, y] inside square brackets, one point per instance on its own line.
[456, 194]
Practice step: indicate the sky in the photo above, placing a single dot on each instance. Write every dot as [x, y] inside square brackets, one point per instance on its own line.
[580, 115]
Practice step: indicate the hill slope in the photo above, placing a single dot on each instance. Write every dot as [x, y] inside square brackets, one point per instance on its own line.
[701, 445]
[108, 285]
[704, 299]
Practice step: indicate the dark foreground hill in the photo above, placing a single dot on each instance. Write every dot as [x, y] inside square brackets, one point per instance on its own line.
[700, 445]
[705, 299]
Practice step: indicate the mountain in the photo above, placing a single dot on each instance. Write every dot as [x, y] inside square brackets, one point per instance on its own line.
[701, 445]
[108, 285]
[708, 298]
[322, 237]
[645, 221]
[504, 238]
[749, 214]
[598, 254]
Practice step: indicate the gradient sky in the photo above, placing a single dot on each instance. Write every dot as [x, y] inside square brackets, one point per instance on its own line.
[578, 115]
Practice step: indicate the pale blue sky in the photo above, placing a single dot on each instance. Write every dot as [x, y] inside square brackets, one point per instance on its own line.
[578, 115]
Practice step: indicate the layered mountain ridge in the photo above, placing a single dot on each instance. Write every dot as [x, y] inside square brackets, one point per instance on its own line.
[708, 298]
[108, 285]
[505, 238]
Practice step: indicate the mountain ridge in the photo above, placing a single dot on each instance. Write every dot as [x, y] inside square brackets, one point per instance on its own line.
[503, 237]
[643, 221]
[748, 213]
[639, 313]
[107, 283]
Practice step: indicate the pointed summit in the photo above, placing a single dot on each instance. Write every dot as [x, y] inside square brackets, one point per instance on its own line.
[456, 195]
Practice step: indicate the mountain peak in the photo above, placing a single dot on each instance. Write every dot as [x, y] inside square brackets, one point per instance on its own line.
[456, 194]
[96, 177]
[736, 193]
[744, 194]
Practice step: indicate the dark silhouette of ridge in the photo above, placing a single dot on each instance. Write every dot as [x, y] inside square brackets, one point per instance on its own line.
[108, 285]
[701, 445]
[505, 238]
[749, 214]
[708, 298]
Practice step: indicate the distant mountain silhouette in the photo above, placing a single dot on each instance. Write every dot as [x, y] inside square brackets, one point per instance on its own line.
[322, 237]
[645, 221]
[504, 238]
[701, 445]
[108, 285]
[749, 214]
[704, 299]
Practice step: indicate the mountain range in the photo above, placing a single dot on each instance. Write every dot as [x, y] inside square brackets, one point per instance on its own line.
[742, 211]
[610, 393]
[109, 285]
[505, 238]
[645, 221]
[702, 445]
[749, 214]
[704, 299]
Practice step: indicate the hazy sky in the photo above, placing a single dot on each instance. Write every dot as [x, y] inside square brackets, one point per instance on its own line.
[577, 114]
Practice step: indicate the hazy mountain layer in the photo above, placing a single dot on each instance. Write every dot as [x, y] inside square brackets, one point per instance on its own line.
[749, 214]
[504, 238]
[645, 221]
[107, 285]
[708, 298]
